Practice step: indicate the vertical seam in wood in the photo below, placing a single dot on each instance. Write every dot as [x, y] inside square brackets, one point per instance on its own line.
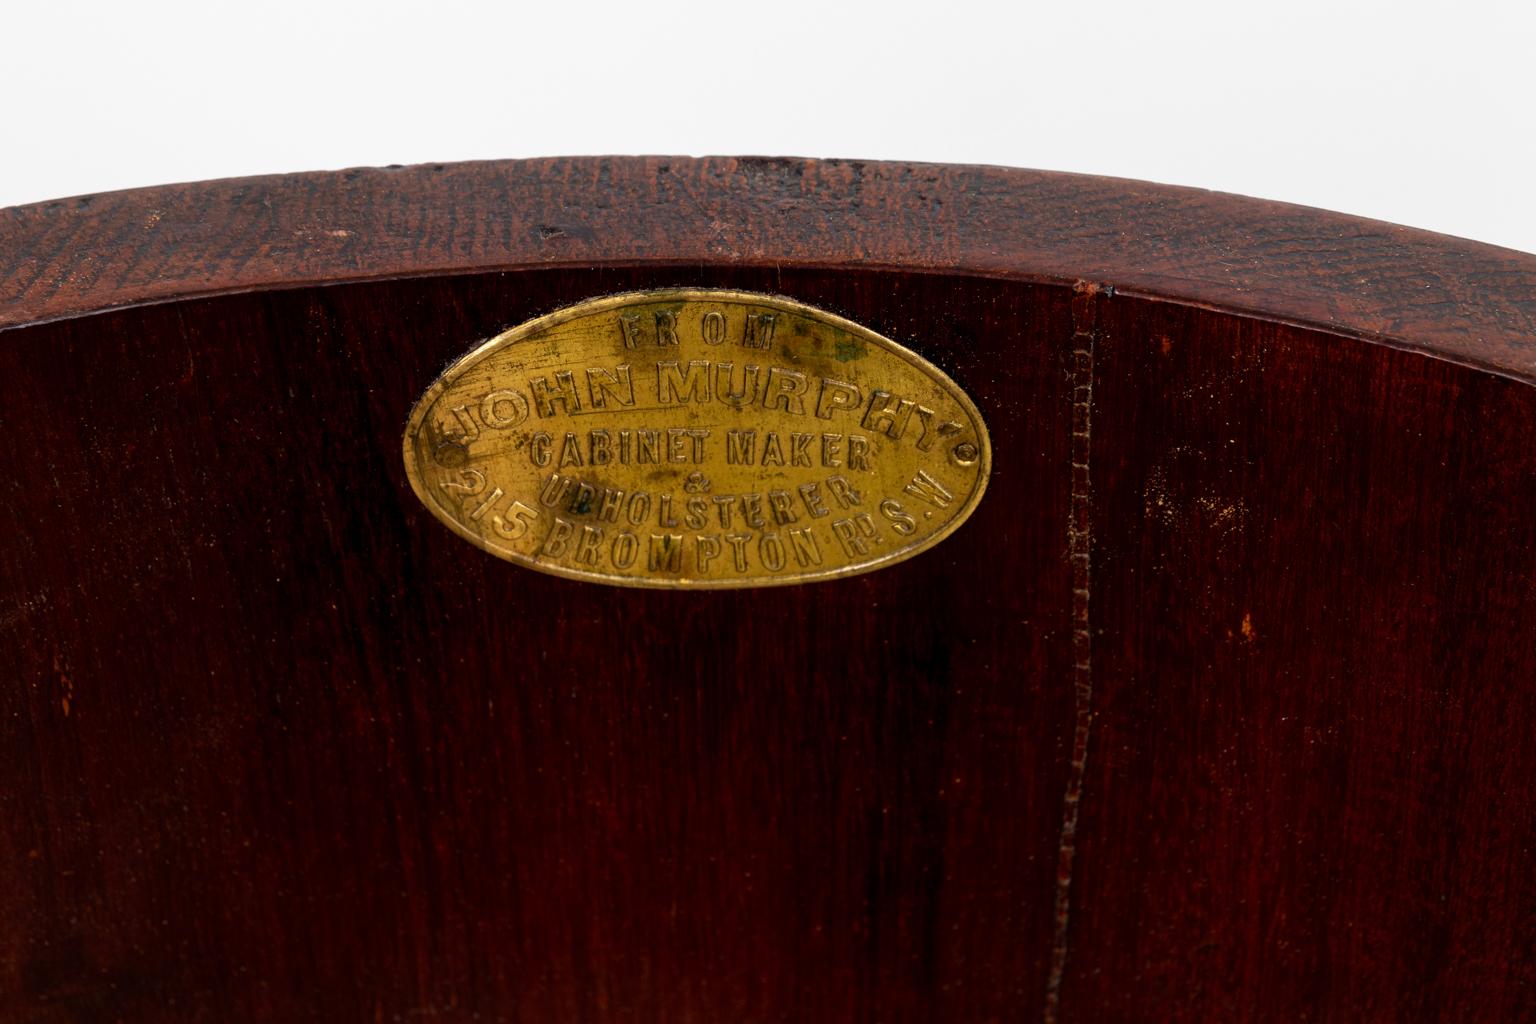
[1085, 302]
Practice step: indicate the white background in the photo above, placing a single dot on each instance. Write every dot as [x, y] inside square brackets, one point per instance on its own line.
[1423, 114]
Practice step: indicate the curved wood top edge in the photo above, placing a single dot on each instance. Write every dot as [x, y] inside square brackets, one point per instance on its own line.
[1456, 299]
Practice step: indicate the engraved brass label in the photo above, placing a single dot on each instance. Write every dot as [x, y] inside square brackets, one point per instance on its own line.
[697, 438]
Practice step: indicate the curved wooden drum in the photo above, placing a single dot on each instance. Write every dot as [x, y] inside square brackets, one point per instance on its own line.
[1221, 705]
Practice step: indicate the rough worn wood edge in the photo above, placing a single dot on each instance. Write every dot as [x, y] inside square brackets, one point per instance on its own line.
[1464, 301]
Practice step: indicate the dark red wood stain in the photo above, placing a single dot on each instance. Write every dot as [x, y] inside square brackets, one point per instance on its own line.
[274, 744]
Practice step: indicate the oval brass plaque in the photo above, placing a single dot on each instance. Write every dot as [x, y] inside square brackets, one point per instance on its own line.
[697, 438]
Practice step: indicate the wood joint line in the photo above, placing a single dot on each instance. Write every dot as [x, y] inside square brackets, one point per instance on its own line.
[1086, 299]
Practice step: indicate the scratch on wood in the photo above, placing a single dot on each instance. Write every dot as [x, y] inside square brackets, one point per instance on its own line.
[1085, 303]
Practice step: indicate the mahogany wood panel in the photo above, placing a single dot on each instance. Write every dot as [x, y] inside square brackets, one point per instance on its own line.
[1229, 720]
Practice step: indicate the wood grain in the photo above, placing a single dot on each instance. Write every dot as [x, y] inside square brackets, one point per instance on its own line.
[1462, 300]
[1228, 720]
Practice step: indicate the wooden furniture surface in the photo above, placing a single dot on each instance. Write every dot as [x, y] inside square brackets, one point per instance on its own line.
[1222, 705]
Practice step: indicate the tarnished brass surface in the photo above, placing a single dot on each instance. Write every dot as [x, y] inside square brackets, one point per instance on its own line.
[697, 438]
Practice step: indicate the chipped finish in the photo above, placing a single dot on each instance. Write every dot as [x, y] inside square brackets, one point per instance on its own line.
[1462, 300]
